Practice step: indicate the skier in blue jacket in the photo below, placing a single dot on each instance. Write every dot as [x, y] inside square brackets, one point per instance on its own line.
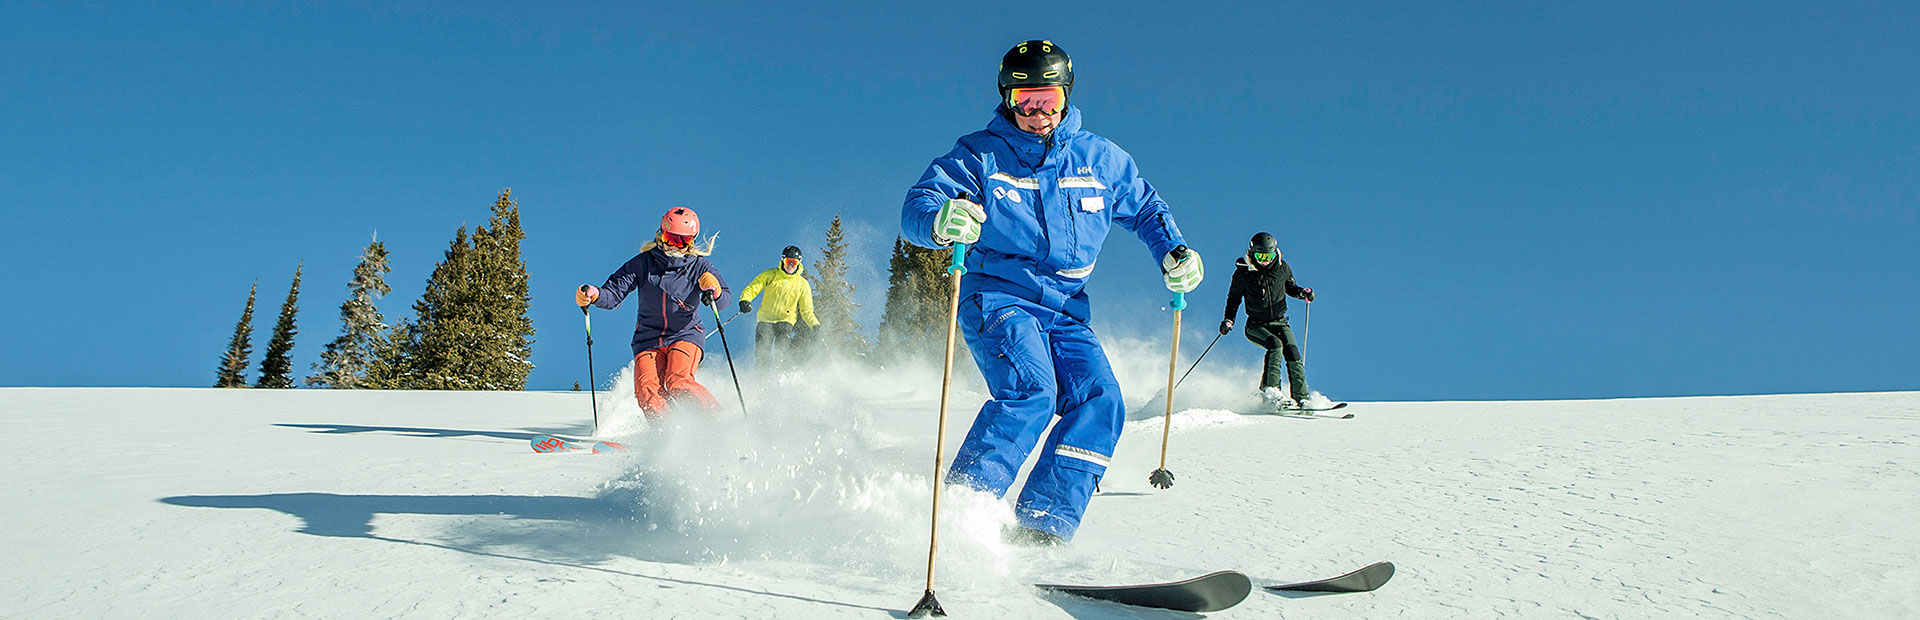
[1034, 196]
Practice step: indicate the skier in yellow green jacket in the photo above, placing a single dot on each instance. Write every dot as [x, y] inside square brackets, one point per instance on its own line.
[789, 302]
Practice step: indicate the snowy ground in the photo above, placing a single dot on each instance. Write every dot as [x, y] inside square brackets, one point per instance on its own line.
[255, 503]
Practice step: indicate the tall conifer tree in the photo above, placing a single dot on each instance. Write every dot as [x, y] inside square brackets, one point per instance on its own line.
[914, 325]
[349, 360]
[276, 368]
[436, 345]
[470, 329]
[500, 278]
[233, 365]
[839, 333]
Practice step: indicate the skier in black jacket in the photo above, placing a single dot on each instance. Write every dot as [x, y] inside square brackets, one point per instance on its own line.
[1265, 282]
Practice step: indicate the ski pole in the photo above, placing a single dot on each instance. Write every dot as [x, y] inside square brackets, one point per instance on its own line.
[1196, 361]
[593, 387]
[1306, 326]
[1161, 477]
[723, 349]
[716, 317]
[929, 604]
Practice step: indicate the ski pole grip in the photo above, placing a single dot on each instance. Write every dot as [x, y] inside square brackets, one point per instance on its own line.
[1179, 252]
[960, 249]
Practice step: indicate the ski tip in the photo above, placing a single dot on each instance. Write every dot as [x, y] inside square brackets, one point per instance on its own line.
[547, 443]
[1366, 579]
[608, 447]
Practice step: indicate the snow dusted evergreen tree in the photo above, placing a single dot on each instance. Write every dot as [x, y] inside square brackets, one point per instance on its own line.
[833, 301]
[434, 348]
[470, 329]
[914, 323]
[276, 369]
[348, 361]
[501, 294]
[233, 365]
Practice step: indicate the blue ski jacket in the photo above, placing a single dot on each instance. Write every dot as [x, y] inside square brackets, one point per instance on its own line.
[667, 291]
[1049, 203]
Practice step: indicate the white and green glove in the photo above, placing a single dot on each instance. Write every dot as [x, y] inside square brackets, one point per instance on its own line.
[1183, 273]
[959, 222]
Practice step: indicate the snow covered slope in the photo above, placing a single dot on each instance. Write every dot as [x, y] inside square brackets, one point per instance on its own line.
[256, 503]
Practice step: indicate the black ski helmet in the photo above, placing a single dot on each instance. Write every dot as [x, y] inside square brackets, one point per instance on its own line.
[792, 251]
[1261, 242]
[1035, 63]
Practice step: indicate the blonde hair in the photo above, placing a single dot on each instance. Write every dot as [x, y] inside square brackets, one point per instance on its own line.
[694, 249]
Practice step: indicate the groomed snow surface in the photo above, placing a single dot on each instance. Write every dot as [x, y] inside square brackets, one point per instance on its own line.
[123, 503]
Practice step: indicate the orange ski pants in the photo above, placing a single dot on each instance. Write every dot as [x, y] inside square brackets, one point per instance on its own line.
[667, 372]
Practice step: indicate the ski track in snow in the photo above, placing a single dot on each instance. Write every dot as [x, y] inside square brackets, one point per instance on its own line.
[302, 503]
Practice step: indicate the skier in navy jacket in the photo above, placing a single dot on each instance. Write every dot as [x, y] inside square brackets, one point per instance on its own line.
[669, 280]
[1034, 195]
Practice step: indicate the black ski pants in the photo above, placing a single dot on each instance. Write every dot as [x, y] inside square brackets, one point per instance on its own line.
[1284, 364]
[773, 345]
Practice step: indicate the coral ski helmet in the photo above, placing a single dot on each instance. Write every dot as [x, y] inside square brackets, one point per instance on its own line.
[678, 227]
[680, 221]
[1035, 64]
[792, 251]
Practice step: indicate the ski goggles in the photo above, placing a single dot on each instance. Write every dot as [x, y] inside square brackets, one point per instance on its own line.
[678, 241]
[1265, 257]
[790, 264]
[1047, 100]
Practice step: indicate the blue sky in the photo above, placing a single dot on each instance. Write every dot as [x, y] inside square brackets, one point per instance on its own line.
[1494, 200]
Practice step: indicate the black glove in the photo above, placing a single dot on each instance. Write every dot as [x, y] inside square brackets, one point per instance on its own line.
[706, 296]
[1307, 294]
[1226, 327]
[746, 306]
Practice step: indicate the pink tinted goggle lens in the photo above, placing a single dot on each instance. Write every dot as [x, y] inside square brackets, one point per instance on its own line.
[1049, 100]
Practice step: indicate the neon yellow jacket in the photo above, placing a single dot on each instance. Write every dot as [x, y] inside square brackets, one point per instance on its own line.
[787, 294]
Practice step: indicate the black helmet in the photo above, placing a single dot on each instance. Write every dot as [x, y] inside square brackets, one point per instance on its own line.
[1035, 63]
[792, 251]
[1262, 242]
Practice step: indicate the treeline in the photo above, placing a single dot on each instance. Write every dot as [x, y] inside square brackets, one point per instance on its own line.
[470, 328]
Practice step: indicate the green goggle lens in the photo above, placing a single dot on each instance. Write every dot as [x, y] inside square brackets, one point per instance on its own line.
[1265, 257]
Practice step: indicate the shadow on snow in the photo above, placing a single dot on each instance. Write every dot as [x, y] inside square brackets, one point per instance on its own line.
[572, 528]
[406, 431]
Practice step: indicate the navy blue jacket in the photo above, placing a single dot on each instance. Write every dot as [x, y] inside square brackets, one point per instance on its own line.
[667, 292]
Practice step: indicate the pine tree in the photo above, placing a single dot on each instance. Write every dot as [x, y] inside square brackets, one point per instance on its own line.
[915, 321]
[276, 368]
[833, 301]
[501, 293]
[233, 365]
[470, 329]
[349, 360]
[435, 347]
[391, 365]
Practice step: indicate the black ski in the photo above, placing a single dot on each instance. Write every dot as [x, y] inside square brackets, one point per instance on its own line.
[1314, 412]
[1364, 580]
[1201, 594]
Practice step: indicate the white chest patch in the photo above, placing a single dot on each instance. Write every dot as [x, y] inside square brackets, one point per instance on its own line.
[1006, 194]
[1093, 204]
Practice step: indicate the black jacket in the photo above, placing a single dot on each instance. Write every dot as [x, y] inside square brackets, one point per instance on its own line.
[1265, 291]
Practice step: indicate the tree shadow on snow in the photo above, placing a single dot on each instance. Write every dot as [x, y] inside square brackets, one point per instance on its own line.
[569, 433]
[576, 529]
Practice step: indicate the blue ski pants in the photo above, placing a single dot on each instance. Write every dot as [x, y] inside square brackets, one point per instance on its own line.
[1039, 363]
